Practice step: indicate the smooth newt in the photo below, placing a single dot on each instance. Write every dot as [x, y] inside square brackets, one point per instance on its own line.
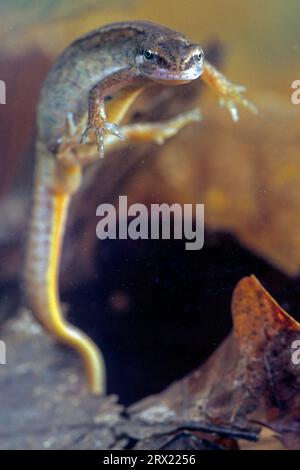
[118, 60]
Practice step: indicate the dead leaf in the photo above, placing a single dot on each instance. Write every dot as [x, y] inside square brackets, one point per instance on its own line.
[249, 381]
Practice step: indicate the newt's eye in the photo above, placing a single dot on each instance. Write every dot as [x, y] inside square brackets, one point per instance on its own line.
[149, 55]
[200, 56]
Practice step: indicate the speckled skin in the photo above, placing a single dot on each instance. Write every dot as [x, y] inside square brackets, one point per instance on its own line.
[96, 56]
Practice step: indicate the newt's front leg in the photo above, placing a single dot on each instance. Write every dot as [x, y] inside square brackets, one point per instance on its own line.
[98, 124]
[230, 95]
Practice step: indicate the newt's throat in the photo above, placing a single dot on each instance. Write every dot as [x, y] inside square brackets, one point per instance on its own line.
[163, 81]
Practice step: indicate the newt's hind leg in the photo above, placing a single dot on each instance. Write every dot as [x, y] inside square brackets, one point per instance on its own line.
[157, 132]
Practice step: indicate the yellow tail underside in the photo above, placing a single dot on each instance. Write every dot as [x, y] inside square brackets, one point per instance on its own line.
[64, 331]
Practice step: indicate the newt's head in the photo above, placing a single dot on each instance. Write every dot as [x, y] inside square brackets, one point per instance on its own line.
[165, 55]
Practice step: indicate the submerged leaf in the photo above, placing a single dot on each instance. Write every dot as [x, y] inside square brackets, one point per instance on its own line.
[250, 379]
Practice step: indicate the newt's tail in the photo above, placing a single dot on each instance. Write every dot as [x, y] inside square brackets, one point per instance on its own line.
[42, 258]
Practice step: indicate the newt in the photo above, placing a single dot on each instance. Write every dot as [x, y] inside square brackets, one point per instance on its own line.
[75, 122]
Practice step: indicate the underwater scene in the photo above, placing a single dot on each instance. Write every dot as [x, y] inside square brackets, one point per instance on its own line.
[149, 226]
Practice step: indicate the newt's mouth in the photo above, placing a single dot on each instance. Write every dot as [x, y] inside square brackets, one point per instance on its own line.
[175, 78]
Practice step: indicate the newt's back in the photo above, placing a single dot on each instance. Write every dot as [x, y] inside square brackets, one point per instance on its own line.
[83, 64]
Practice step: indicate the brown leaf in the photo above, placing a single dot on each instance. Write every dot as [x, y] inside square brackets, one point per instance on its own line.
[265, 333]
[249, 379]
